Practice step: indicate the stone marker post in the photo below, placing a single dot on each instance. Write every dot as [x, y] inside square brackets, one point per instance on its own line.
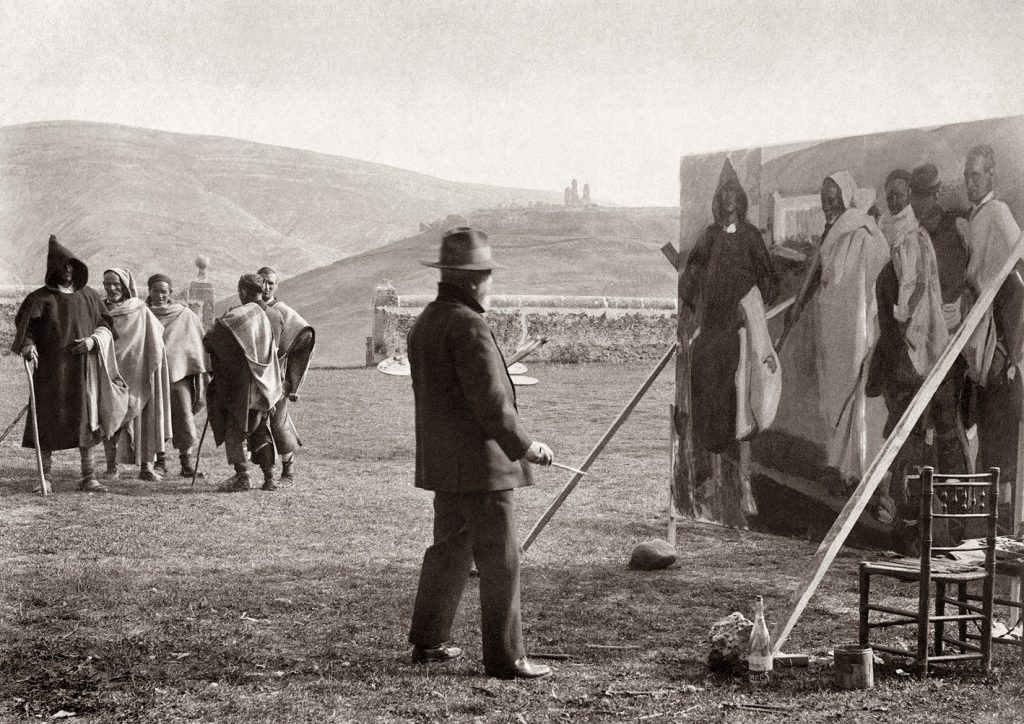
[200, 294]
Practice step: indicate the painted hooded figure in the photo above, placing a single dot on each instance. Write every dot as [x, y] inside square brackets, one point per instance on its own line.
[728, 260]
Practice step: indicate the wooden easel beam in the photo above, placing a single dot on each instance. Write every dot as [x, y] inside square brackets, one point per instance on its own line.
[837, 535]
[605, 439]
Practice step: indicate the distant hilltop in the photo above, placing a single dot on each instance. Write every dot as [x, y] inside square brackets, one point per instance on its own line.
[152, 200]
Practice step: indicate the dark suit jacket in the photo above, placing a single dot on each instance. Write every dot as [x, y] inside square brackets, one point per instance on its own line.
[468, 434]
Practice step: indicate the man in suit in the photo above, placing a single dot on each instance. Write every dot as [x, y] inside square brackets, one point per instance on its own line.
[472, 451]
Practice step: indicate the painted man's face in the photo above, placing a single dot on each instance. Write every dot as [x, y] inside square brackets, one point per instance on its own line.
[897, 195]
[978, 179]
[831, 201]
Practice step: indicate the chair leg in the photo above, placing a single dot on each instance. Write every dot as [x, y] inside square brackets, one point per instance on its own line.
[940, 610]
[988, 610]
[865, 590]
[961, 595]
[923, 621]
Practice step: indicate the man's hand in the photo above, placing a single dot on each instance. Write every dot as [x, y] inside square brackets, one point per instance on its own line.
[83, 346]
[30, 353]
[539, 454]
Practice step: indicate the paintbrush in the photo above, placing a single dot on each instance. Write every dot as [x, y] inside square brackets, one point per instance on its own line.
[571, 470]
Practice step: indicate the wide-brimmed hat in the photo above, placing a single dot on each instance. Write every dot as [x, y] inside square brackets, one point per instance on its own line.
[464, 248]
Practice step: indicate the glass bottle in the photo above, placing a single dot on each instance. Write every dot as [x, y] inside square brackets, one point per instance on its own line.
[759, 655]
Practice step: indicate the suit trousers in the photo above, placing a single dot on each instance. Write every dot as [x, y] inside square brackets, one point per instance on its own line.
[481, 527]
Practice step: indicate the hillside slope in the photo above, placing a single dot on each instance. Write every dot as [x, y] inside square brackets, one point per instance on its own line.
[612, 252]
[152, 201]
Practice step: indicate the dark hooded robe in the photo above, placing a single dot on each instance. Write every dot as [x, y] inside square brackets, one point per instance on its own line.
[53, 320]
[720, 270]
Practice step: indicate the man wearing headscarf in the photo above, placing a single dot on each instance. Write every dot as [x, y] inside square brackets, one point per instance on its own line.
[295, 349]
[728, 260]
[852, 253]
[64, 330]
[246, 383]
[994, 353]
[141, 359]
[186, 369]
[912, 336]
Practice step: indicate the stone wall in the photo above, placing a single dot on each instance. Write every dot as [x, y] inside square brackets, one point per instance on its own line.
[577, 329]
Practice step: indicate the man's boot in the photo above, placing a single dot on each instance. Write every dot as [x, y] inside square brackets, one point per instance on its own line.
[286, 472]
[187, 471]
[89, 484]
[239, 482]
[268, 479]
[110, 452]
[161, 464]
[149, 475]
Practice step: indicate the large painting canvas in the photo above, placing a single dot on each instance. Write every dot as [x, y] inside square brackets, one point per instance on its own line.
[783, 187]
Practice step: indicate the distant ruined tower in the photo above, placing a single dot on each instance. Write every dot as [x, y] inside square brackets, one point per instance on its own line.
[586, 194]
[574, 196]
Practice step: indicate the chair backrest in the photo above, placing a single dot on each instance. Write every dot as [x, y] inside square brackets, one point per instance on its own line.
[973, 497]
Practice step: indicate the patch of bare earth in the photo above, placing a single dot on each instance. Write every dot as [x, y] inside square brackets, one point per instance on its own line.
[159, 603]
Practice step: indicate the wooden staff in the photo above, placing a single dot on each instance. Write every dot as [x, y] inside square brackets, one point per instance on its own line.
[199, 450]
[841, 528]
[549, 513]
[44, 484]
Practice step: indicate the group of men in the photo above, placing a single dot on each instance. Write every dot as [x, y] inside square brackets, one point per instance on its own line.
[133, 374]
[889, 295]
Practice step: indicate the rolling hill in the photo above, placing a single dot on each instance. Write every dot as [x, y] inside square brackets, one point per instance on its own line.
[153, 201]
[547, 251]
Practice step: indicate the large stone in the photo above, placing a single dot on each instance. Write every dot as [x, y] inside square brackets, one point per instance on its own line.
[730, 639]
[652, 555]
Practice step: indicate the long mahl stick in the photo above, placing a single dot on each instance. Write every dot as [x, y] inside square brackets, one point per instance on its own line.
[44, 484]
[549, 513]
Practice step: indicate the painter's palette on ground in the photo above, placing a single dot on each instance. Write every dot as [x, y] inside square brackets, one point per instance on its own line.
[157, 603]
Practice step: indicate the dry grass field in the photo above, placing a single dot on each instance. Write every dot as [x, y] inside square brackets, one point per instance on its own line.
[157, 603]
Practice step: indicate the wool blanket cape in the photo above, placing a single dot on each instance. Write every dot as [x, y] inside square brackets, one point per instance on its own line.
[852, 254]
[142, 362]
[251, 329]
[183, 345]
[106, 393]
[295, 347]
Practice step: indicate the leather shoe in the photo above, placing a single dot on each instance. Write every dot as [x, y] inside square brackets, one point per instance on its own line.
[435, 654]
[520, 669]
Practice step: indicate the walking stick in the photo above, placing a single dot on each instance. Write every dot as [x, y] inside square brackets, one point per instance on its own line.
[14, 422]
[199, 450]
[44, 484]
[550, 512]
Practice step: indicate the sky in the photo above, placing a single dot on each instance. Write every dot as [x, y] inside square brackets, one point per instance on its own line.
[524, 93]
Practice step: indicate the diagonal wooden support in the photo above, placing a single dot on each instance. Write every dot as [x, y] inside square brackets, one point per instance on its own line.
[840, 530]
[605, 439]
[669, 250]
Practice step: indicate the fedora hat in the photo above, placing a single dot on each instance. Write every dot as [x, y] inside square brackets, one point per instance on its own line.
[464, 248]
[925, 180]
